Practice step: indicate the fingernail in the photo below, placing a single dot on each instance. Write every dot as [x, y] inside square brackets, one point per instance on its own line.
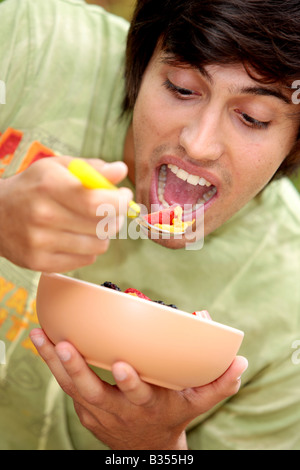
[245, 367]
[120, 373]
[119, 165]
[37, 340]
[63, 354]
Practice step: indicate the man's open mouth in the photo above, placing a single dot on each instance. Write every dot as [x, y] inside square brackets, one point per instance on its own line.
[176, 186]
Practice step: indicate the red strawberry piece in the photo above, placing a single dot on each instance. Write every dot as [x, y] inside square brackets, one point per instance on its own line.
[165, 216]
[137, 293]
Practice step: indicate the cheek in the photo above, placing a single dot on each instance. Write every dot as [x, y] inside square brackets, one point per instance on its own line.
[256, 165]
[154, 117]
[148, 120]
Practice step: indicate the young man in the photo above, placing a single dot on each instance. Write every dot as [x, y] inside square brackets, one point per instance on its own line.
[217, 107]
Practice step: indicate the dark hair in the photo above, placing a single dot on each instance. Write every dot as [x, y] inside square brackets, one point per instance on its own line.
[264, 35]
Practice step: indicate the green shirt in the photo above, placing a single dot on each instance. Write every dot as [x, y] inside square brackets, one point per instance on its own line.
[62, 63]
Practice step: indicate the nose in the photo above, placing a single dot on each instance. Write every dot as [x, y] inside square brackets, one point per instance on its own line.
[202, 137]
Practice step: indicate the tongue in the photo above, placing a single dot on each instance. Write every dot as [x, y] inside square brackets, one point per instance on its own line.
[180, 192]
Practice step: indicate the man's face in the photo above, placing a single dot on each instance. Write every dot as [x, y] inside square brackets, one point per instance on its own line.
[214, 139]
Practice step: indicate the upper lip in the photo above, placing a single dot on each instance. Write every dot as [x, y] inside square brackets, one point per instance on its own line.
[191, 168]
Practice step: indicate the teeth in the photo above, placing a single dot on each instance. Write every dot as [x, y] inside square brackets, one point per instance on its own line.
[185, 176]
[162, 200]
[207, 196]
[173, 168]
[163, 169]
[191, 179]
[203, 182]
[195, 207]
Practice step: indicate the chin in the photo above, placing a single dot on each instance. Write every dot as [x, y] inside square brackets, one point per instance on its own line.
[193, 240]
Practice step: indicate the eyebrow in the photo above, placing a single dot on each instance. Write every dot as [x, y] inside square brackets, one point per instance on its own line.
[261, 91]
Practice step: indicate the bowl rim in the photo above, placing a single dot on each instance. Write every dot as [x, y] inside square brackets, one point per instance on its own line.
[142, 301]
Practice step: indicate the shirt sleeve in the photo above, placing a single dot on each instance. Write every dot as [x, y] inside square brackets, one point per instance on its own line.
[62, 64]
[14, 56]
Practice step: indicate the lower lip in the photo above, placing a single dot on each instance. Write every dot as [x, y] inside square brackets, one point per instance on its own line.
[154, 198]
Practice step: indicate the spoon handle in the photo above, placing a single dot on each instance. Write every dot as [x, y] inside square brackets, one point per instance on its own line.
[92, 179]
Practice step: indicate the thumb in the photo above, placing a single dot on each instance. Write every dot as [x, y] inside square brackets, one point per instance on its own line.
[115, 172]
[229, 383]
[224, 387]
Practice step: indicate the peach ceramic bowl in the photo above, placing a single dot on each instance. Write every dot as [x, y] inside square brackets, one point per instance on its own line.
[167, 347]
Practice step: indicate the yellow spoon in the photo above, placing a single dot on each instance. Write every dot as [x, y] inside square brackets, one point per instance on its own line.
[92, 179]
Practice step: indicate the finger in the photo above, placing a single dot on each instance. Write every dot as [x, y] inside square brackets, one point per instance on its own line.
[70, 370]
[87, 418]
[136, 391]
[71, 243]
[94, 202]
[206, 397]
[54, 180]
[100, 202]
[109, 211]
[49, 213]
[46, 350]
[114, 171]
[60, 263]
[229, 383]
[91, 388]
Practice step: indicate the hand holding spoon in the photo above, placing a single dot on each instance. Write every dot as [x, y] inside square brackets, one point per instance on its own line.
[92, 179]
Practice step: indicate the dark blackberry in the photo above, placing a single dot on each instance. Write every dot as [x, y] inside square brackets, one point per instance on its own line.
[110, 285]
[161, 302]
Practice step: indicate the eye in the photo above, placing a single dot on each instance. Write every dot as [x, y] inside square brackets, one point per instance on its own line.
[178, 91]
[251, 122]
